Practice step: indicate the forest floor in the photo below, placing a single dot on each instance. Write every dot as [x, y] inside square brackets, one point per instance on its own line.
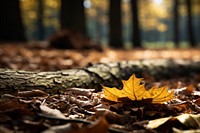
[49, 59]
[85, 111]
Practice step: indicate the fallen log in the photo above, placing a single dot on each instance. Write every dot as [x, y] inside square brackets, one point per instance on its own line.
[94, 74]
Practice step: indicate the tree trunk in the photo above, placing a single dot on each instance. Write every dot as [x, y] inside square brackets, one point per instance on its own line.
[176, 23]
[11, 26]
[72, 15]
[190, 29]
[136, 30]
[40, 24]
[94, 75]
[115, 24]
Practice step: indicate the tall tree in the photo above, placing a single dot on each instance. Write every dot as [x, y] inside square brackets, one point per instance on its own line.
[72, 15]
[40, 15]
[115, 24]
[11, 26]
[136, 27]
[190, 29]
[176, 22]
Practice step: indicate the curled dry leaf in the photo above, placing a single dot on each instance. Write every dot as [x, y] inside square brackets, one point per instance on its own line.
[32, 93]
[134, 90]
[188, 120]
[188, 90]
[51, 112]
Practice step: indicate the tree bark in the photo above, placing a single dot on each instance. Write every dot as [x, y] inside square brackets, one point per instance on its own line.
[95, 74]
[40, 14]
[11, 26]
[190, 29]
[136, 27]
[72, 15]
[176, 23]
[115, 24]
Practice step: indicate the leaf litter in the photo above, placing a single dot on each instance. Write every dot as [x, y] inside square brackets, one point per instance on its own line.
[81, 110]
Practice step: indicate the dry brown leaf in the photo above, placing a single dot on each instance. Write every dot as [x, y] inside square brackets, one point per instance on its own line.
[134, 90]
[11, 105]
[66, 128]
[32, 93]
[188, 120]
[101, 126]
[51, 112]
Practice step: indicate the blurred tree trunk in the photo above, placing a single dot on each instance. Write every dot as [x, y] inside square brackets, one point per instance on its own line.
[72, 15]
[11, 26]
[176, 23]
[115, 24]
[190, 29]
[136, 27]
[40, 24]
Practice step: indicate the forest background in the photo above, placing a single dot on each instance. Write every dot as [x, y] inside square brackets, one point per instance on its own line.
[161, 22]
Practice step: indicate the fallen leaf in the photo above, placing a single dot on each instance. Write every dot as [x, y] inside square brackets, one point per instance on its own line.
[100, 126]
[188, 90]
[175, 130]
[157, 122]
[32, 93]
[135, 91]
[11, 105]
[188, 120]
[51, 112]
[59, 129]
[113, 117]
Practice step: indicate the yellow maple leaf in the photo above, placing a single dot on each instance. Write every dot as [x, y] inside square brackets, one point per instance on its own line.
[134, 90]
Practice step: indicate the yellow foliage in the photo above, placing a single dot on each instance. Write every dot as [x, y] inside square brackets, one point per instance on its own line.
[134, 90]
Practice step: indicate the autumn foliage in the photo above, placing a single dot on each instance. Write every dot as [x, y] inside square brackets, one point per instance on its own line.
[134, 90]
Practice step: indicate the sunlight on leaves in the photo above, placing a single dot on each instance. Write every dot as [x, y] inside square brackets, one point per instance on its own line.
[188, 120]
[135, 91]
